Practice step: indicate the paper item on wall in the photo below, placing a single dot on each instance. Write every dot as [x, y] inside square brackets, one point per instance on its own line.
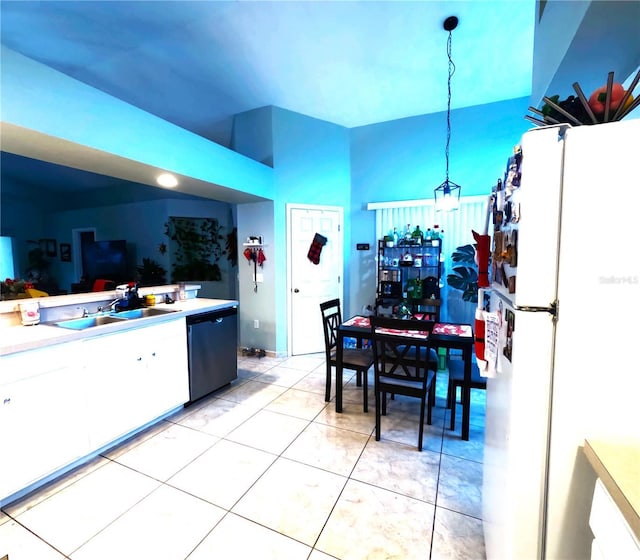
[491, 337]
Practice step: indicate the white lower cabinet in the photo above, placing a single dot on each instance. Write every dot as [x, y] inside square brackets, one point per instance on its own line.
[61, 403]
[133, 377]
[613, 537]
[42, 412]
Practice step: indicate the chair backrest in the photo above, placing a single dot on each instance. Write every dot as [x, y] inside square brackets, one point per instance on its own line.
[101, 285]
[401, 349]
[331, 319]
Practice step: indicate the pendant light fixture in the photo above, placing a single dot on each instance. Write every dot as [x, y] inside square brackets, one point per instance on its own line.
[447, 195]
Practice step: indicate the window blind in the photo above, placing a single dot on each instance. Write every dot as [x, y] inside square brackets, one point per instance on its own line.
[457, 226]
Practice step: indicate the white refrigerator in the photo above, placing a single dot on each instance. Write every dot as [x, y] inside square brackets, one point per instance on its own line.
[566, 367]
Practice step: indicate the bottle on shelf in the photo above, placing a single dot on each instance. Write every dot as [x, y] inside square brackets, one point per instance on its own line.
[435, 236]
[417, 236]
[427, 236]
[407, 233]
[395, 236]
[403, 308]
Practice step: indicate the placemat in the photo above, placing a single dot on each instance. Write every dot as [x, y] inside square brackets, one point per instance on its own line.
[448, 328]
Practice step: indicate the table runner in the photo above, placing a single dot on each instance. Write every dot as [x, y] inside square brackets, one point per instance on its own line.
[438, 328]
[365, 323]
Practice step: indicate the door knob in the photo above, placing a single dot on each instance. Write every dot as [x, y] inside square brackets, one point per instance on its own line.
[295, 290]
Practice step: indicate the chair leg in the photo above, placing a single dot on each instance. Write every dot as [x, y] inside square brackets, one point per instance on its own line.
[454, 402]
[327, 391]
[421, 428]
[378, 416]
[365, 391]
[431, 395]
[358, 378]
[450, 389]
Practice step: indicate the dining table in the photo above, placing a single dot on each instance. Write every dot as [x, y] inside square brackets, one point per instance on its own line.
[458, 336]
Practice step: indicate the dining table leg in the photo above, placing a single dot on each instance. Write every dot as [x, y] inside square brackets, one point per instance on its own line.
[339, 354]
[466, 394]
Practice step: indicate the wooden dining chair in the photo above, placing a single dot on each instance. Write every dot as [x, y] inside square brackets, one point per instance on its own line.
[359, 360]
[401, 349]
[456, 379]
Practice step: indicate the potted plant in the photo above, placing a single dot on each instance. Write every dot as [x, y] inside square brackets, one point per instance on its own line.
[37, 271]
[197, 247]
[464, 274]
[463, 278]
[151, 273]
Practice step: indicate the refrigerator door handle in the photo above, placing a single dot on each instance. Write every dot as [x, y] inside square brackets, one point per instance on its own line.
[551, 309]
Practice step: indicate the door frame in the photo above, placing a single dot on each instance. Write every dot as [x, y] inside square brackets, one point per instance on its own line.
[289, 208]
[76, 247]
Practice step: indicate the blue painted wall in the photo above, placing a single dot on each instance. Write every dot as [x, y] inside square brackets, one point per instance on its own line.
[311, 165]
[39, 98]
[405, 160]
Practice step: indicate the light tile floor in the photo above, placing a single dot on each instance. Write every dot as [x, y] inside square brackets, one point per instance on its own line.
[265, 469]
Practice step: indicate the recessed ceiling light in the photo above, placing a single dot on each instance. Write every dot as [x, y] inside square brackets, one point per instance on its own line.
[167, 180]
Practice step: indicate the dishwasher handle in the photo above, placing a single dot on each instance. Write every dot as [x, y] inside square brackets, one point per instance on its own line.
[212, 316]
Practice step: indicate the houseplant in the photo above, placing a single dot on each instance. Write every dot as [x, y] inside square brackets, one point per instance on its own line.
[12, 288]
[462, 301]
[195, 248]
[464, 274]
[38, 268]
[150, 273]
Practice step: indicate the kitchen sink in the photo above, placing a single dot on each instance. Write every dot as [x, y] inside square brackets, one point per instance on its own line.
[97, 320]
[143, 312]
[88, 322]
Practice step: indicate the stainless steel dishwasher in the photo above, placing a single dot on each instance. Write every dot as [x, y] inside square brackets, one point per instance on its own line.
[212, 340]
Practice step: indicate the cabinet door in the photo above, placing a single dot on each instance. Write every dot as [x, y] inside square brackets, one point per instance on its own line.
[42, 412]
[144, 375]
[114, 368]
[165, 379]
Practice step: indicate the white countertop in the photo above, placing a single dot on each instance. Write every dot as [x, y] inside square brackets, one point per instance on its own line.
[19, 338]
[617, 464]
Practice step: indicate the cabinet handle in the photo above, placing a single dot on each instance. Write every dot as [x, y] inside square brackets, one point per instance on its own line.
[7, 400]
[139, 358]
[153, 354]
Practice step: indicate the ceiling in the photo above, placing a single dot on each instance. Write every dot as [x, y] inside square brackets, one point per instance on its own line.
[196, 64]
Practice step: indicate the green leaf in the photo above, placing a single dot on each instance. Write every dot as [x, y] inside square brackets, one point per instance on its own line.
[464, 254]
[464, 277]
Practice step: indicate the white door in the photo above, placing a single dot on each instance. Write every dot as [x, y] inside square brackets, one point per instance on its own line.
[310, 284]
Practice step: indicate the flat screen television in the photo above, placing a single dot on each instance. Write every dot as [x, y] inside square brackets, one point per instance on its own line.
[105, 260]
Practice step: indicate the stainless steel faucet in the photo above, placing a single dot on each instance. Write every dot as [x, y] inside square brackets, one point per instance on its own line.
[111, 306]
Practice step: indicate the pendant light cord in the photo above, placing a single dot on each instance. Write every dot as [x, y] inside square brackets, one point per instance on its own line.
[452, 69]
